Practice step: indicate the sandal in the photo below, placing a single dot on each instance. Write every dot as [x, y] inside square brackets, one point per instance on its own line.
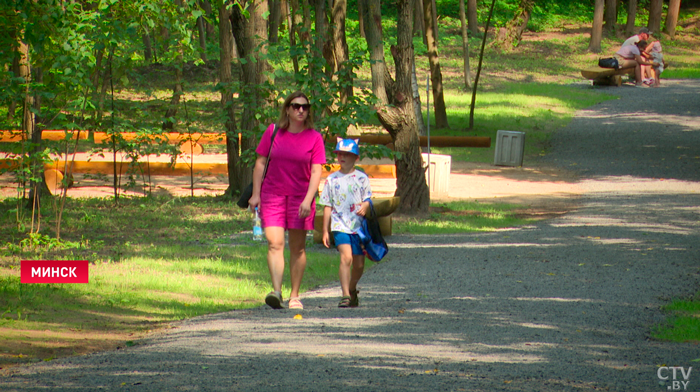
[344, 302]
[274, 299]
[354, 301]
[295, 303]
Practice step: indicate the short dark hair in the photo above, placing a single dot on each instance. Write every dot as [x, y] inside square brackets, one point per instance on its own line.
[644, 30]
[642, 45]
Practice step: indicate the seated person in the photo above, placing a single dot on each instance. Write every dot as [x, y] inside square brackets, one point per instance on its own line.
[653, 52]
[631, 56]
[643, 35]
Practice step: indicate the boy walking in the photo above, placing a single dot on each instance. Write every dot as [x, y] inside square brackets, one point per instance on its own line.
[345, 196]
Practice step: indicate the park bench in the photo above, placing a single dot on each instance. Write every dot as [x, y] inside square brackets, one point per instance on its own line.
[606, 76]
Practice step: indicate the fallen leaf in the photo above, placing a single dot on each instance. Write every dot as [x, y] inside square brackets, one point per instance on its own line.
[298, 317]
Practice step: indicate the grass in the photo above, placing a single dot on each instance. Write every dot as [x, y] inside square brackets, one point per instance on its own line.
[461, 217]
[683, 324]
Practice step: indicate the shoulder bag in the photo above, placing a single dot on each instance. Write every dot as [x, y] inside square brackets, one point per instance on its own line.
[247, 193]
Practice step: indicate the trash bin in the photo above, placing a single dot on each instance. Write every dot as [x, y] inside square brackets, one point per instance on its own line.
[438, 176]
[510, 147]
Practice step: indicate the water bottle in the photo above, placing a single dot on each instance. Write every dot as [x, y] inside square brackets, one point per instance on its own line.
[257, 227]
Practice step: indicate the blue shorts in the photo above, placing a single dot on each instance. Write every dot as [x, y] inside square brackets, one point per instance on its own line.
[350, 239]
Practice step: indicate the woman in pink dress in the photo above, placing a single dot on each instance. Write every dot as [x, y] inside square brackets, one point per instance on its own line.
[286, 198]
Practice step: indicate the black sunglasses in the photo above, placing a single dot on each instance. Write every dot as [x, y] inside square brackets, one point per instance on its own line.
[296, 106]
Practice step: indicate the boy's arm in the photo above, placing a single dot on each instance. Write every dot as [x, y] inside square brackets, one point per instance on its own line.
[364, 207]
[326, 226]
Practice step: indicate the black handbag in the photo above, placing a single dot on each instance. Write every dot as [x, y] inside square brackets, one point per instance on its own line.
[247, 193]
[610, 62]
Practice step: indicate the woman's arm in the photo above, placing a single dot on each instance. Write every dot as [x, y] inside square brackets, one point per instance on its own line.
[257, 181]
[314, 181]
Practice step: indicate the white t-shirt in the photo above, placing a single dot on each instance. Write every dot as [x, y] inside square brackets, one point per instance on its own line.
[628, 52]
[344, 193]
[631, 40]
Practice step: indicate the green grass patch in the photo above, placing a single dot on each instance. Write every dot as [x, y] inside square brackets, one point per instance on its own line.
[537, 109]
[683, 325]
[461, 217]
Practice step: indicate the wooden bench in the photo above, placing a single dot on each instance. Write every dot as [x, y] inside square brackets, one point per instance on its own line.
[606, 76]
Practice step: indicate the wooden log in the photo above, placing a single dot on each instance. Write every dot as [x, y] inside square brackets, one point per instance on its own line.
[435, 141]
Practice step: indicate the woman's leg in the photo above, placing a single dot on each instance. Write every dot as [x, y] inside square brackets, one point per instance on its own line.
[345, 270]
[297, 259]
[275, 255]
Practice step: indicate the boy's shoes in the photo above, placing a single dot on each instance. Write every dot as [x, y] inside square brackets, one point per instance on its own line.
[354, 301]
[344, 302]
[649, 81]
[274, 299]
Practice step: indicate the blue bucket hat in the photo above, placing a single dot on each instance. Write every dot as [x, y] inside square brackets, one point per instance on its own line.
[347, 145]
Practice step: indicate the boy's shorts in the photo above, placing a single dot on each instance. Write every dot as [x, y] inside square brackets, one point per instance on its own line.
[283, 211]
[350, 239]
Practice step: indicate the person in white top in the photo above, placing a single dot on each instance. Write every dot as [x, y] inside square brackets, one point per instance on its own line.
[643, 35]
[346, 196]
[631, 56]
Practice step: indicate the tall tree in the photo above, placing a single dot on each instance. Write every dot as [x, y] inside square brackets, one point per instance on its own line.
[340, 44]
[610, 16]
[399, 119]
[375, 45]
[435, 72]
[465, 45]
[513, 32]
[472, 17]
[597, 30]
[655, 13]
[274, 20]
[250, 33]
[674, 8]
[226, 81]
[631, 17]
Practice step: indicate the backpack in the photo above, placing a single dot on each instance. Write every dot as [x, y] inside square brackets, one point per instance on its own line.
[371, 238]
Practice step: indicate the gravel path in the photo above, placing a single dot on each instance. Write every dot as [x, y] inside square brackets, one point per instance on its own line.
[564, 305]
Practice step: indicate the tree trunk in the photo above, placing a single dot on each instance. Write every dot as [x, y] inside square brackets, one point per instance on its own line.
[597, 30]
[293, 26]
[631, 18]
[306, 21]
[417, 107]
[275, 12]
[435, 72]
[610, 16]
[399, 119]
[342, 55]
[419, 21]
[472, 17]
[233, 160]
[169, 123]
[321, 25]
[515, 27]
[361, 17]
[201, 30]
[655, 11]
[147, 48]
[250, 34]
[208, 27]
[674, 8]
[375, 44]
[465, 46]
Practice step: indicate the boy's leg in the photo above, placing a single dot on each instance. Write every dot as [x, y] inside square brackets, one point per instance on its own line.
[358, 268]
[344, 272]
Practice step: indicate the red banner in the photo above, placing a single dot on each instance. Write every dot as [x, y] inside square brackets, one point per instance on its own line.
[54, 271]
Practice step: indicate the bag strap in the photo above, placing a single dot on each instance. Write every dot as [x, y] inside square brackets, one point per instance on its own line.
[269, 153]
